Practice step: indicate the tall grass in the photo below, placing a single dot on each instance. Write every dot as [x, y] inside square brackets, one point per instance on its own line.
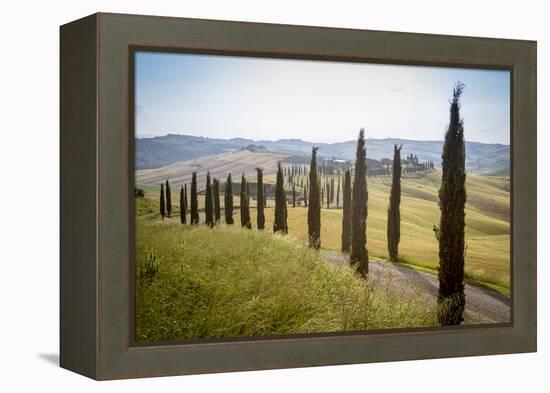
[228, 282]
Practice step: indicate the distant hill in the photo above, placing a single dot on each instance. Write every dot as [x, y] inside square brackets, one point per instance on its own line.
[219, 165]
[157, 152]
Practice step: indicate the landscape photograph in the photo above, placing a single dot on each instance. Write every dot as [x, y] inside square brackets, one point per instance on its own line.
[287, 197]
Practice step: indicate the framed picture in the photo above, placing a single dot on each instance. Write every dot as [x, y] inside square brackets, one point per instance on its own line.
[242, 196]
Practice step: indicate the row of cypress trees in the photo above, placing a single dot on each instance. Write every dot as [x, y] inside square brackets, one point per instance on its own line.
[212, 208]
[354, 205]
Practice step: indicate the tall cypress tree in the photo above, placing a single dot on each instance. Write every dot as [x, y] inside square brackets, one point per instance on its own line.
[209, 203]
[185, 205]
[162, 206]
[216, 196]
[265, 196]
[327, 187]
[346, 212]
[183, 216]
[194, 200]
[332, 190]
[450, 234]
[248, 203]
[260, 217]
[245, 207]
[338, 192]
[359, 257]
[394, 215]
[228, 201]
[279, 224]
[168, 199]
[293, 195]
[314, 204]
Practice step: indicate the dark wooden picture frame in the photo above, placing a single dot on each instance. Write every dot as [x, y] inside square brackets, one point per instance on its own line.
[97, 195]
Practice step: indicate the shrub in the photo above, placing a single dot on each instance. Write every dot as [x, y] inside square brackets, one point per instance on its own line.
[148, 267]
[138, 193]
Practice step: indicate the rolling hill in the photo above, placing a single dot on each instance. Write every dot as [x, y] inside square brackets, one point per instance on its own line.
[236, 163]
[161, 151]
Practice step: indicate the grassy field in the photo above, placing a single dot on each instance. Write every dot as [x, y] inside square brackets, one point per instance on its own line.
[196, 282]
[487, 224]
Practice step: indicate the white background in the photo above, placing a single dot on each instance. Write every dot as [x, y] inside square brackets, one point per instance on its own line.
[29, 194]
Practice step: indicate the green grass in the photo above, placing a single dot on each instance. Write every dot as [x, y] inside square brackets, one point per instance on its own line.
[195, 282]
[146, 206]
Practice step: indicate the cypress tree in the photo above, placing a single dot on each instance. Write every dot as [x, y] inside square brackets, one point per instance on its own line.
[248, 200]
[168, 199]
[217, 207]
[314, 204]
[285, 214]
[244, 205]
[450, 234]
[242, 197]
[359, 257]
[260, 217]
[279, 224]
[346, 212]
[332, 190]
[338, 192]
[265, 197]
[185, 205]
[162, 206]
[394, 215]
[327, 187]
[194, 200]
[228, 201]
[293, 195]
[183, 216]
[209, 203]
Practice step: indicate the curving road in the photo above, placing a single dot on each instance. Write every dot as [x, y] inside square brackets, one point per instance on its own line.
[482, 305]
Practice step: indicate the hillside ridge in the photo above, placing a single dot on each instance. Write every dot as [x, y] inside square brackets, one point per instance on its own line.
[483, 158]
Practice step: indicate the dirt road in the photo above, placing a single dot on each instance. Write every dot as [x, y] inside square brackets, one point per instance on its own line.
[482, 305]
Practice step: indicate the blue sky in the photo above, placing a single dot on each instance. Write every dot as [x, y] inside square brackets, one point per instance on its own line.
[258, 98]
